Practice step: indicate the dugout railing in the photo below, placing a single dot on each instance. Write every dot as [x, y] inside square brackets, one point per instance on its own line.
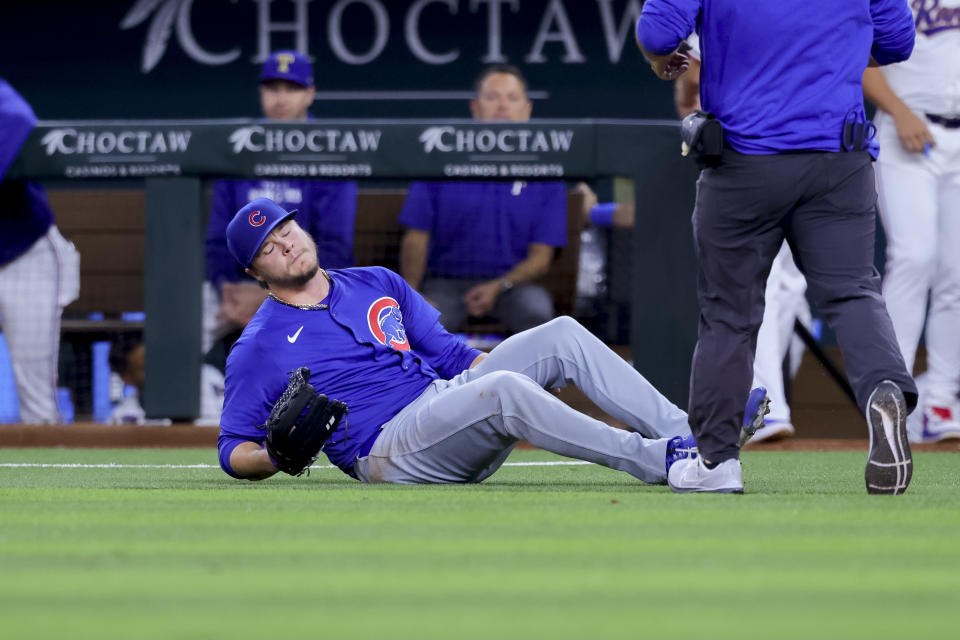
[171, 160]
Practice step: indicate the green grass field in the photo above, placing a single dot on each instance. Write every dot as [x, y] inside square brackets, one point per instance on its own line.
[572, 551]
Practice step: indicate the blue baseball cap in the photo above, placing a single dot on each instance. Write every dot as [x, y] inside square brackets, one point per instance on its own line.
[292, 66]
[251, 226]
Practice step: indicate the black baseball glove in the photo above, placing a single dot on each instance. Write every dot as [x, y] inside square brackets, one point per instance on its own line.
[300, 423]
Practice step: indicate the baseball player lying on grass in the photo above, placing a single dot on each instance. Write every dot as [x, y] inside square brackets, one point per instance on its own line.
[404, 401]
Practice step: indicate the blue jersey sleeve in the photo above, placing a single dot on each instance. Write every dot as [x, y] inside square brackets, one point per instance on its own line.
[225, 446]
[333, 214]
[419, 209]
[221, 267]
[552, 221]
[664, 23]
[447, 354]
[894, 31]
[253, 384]
[16, 121]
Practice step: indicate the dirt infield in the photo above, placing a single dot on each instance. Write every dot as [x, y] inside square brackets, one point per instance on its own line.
[100, 436]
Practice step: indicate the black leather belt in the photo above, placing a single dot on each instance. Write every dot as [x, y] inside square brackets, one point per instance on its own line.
[949, 123]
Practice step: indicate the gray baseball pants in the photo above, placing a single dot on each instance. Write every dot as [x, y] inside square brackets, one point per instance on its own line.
[463, 429]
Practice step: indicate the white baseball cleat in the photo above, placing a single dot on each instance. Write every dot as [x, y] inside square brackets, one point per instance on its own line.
[890, 465]
[690, 475]
[773, 430]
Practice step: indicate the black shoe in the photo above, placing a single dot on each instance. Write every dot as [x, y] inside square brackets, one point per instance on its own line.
[890, 465]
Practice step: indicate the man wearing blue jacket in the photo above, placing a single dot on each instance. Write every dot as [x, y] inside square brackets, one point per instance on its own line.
[784, 81]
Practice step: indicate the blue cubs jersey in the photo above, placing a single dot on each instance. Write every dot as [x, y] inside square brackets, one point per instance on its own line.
[376, 347]
[325, 210]
[483, 229]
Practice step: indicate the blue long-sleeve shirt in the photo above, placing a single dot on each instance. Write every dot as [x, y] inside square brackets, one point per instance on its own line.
[484, 229]
[782, 75]
[377, 348]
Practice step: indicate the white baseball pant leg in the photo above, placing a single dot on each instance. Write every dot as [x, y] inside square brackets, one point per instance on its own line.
[462, 430]
[211, 308]
[784, 300]
[34, 288]
[943, 322]
[921, 218]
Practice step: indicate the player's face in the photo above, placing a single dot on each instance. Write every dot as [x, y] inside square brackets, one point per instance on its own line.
[282, 100]
[287, 258]
[501, 97]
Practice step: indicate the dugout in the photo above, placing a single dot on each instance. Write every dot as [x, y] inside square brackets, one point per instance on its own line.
[161, 168]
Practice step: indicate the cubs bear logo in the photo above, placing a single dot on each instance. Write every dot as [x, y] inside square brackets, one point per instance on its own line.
[386, 324]
[257, 218]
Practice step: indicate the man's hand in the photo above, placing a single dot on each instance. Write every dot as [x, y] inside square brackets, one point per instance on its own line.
[239, 301]
[670, 67]
[481, 298]
[912, 131]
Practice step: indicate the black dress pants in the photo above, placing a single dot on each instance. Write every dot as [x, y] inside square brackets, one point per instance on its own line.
[824, 205]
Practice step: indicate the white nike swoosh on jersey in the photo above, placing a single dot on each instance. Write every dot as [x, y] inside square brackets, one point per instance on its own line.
[293, 338]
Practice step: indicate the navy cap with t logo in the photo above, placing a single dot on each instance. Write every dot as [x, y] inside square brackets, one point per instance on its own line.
[251, 226]
[291, 66]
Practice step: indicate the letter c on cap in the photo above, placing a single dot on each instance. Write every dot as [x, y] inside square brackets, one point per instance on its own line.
[257, 218]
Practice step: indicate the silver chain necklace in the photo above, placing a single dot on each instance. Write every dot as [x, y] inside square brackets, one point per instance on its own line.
[306, 307]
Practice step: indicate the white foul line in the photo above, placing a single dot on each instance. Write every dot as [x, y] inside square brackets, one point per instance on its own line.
[115, 465]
